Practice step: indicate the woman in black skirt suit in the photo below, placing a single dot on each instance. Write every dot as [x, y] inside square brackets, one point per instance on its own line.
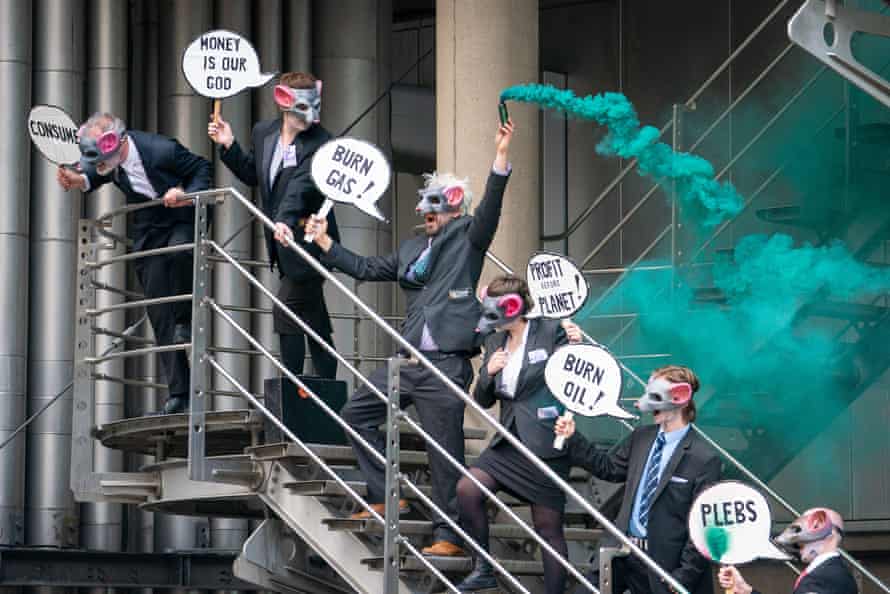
[513, 372]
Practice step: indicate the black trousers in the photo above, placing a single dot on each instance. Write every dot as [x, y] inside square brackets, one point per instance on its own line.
[164, 276]
[628, 574]
[305, 298]
[441, 415]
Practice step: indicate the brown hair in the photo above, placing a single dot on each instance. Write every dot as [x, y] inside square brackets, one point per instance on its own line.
[297, 80]
[680, 374]
[506, 284]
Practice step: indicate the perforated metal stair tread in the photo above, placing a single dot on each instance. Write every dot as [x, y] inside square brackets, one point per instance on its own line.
[336, 454]
[326, 488]
[423, 527]
[472, 433]
[464, 565]
[227, 432]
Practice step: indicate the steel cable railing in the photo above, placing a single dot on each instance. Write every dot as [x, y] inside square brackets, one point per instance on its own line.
[482, 412]
[361, 377]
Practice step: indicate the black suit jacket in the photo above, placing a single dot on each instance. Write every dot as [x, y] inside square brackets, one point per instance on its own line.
[532, 393]
[291, 198]
[693, 466]
[829, 577]
[167, 164]
[447, 300]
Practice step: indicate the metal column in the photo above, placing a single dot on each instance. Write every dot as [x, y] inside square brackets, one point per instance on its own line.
[183, 114]
[229, 217]
[298, 41]
[52, 516]
[107, 91]
[268, 41]
[354, 74]
[15, 101]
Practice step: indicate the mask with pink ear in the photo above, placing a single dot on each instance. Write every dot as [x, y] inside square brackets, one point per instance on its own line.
[499, 311]
[663, 394]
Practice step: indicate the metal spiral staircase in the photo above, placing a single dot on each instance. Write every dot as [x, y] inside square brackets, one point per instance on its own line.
[236, 464]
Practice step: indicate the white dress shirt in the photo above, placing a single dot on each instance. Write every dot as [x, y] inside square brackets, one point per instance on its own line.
[135, 171]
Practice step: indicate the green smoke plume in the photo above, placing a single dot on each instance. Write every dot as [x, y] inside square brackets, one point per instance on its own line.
[712, 201]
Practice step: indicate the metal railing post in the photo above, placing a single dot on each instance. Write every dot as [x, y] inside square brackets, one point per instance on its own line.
[391, 537]
[200, 375]
[605, 557]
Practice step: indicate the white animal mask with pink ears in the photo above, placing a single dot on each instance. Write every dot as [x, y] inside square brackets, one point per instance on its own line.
[499, 311]
[663, 394]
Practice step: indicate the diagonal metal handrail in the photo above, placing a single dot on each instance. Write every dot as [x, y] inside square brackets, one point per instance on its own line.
[476, 407]
[383, 397]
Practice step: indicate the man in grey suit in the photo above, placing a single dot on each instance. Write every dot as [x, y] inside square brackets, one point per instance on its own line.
[438, 272]
[665, 466]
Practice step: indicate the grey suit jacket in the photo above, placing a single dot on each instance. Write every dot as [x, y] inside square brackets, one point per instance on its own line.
[446, 301]
[533, 409]
[693, 466]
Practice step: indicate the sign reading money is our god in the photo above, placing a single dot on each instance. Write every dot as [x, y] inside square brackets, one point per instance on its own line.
[221, 63]
[729, 523]
[557, 287]
[351, 171]
[54, 134]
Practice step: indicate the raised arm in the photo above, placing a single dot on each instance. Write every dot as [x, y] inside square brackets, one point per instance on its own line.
[488, 212]
[367, 268]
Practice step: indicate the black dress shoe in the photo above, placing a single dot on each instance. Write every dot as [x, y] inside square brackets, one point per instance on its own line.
[482, 578]
[176, 404]
[182, 334]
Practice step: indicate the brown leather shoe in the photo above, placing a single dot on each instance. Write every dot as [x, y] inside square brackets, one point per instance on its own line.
[443, 548]
[380, 508]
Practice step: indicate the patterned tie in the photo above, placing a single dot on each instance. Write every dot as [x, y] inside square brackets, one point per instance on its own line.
[418, 271]
[799, 578]
[651, 480]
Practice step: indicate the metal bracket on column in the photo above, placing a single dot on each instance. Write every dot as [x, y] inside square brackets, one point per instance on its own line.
[606, 555]
[826, 29]
[391, 537]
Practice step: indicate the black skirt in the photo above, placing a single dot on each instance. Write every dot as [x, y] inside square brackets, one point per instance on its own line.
[517, 476]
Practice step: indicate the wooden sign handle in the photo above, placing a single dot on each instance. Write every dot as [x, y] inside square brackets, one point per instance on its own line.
[217, 107]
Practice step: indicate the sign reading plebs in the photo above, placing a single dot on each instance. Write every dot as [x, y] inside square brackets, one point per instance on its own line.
[353, 172]
[54, 134]
[586, 379]
[730, 522]
[221, 63]
[557, 287]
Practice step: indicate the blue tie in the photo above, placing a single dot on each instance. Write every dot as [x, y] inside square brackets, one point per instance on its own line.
[651, 480]
[418, 270]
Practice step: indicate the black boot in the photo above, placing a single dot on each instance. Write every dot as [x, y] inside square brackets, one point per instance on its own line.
[482, 578]
[176, 404]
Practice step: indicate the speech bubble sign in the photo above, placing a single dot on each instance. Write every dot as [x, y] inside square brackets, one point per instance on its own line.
[587, 380]
[730, 522]
[557, 287]
[352, 171]
[54, 134]
[222, 63]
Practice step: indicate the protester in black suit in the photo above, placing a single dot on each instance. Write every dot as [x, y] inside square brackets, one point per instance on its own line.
[814, 538]
[665, 466]
[149, 167]
[512, 372]
[279, 163]
[438, 273]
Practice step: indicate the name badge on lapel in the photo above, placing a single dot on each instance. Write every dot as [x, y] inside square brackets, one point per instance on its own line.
[459, 293]
[548, 412]
[537, 355]
[290, 156]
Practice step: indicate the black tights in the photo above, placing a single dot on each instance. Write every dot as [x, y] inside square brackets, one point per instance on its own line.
[548, 524]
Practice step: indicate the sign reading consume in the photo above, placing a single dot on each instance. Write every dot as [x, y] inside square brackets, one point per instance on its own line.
[221, 63]
[730, 522]
[54, 134]
[557, 286]
[587, 380]
[353, 172]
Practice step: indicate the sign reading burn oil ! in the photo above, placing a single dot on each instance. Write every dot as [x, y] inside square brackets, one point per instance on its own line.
[586, 379]
[557, 286]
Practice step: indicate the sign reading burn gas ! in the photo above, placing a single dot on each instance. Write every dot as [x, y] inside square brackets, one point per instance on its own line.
[54, 134]
[586, 379]
[557, 286]
[352, 171]
[221, 63]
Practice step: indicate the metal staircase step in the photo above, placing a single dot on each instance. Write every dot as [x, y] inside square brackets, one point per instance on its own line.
[326, 488]
[425, 528]
[794, 215]
[333, 454]
[875, 133]
[710, 295]
[465, 565]
[863, 312]
[471, 433]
